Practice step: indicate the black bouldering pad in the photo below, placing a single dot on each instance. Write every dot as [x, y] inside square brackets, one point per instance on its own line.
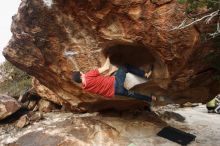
[176, 135]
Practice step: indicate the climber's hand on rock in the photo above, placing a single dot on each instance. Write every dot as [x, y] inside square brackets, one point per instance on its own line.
[112, 70]
[105, 67]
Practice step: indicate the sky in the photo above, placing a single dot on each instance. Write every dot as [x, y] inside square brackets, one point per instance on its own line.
[7, 9]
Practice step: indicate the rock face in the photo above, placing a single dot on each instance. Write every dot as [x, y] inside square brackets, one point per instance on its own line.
[8, 106]
[114, 129]
[66, 129]
[46, 93]
[137, 32]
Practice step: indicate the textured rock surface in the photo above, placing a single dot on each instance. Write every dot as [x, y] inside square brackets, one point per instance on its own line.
[46, 106]
[8, 106]
[62, 129]
[67, 129]
[46, 93]
[22, 121]
[129, 31]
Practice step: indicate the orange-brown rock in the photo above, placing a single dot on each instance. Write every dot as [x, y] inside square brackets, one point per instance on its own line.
[46, 93]
[22, 121]
[8, 106]
[46, 33]
[46, 106]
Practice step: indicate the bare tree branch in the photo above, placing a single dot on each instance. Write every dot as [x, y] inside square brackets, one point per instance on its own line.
[207, 19]
[217, 32]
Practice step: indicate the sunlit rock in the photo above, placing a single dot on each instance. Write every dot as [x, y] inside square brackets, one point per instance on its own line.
[8, 106]
[53, 38]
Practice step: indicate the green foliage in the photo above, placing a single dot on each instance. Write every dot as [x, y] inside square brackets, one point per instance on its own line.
[213, 58]
[16, 81]
[182, 1]
[15, 88]
[193, 5]
[13, 71]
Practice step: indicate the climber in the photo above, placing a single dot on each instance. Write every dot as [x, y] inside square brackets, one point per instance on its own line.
[109, 86]
[213, 105]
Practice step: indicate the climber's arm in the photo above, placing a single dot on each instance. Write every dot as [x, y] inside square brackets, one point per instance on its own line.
[112, 70]
[105, 67]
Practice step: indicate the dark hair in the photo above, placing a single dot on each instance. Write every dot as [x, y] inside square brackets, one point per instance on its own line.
[76, 76]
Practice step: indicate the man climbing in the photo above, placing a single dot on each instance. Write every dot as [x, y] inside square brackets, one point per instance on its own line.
[109, 86]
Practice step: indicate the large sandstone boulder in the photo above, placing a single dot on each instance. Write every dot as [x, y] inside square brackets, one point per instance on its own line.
[114, 128]
[53, 38]
[65, 129]
[8, 106]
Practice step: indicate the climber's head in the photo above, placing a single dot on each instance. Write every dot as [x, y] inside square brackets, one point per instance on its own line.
[77, 76]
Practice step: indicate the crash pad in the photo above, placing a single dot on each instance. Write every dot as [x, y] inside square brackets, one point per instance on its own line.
[176, 135]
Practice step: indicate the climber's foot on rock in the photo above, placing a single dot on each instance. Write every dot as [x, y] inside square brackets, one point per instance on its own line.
[154, 98]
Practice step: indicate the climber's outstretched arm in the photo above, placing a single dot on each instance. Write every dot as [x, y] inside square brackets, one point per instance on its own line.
[105, 67]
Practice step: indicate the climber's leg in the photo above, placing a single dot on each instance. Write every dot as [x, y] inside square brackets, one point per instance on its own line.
[119, 85]
[137, 95]
[119, 80]
[125, 92]
[135, 70]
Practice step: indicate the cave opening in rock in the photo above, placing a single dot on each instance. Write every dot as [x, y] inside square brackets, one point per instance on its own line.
[136, 55]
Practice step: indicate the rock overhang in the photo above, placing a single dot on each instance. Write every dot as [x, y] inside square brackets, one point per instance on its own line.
[133, 54]
[137, 28]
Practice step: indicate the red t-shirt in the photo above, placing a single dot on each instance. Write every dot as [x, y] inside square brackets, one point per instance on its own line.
[98, 84]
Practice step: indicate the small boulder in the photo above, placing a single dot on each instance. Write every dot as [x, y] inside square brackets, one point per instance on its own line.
[46, 106]
[8, 106]
[169, 115]
[35, 116]
[29, 118]
[29, 99]
[189, 104]
[23, 121]
[32, 104]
